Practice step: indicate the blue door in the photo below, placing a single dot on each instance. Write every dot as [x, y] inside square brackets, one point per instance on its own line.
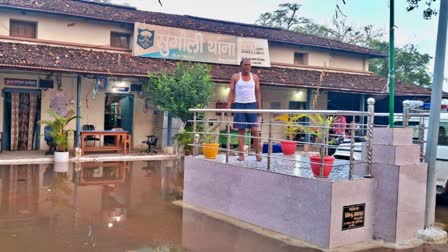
[127, 112]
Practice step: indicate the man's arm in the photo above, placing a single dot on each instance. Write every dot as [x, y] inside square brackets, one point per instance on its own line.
[257, 91]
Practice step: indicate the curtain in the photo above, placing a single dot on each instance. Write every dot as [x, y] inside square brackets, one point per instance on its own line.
[23, 120]
[14, 121]
[24, 116]
[32, 121]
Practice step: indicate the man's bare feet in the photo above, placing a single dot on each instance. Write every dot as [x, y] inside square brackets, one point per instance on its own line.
[240, 157]
[259, 158]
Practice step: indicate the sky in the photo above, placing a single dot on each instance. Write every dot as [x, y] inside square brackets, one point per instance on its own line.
[410, 26]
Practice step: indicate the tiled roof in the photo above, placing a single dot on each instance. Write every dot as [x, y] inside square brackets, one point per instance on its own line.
[126, 15]
[63, 59]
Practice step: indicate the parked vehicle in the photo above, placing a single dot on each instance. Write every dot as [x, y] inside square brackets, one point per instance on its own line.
[343, 150]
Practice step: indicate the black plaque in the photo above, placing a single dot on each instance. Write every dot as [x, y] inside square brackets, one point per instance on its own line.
[353, 216]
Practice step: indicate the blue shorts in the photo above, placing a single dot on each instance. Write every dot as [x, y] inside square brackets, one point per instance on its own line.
[245, 120]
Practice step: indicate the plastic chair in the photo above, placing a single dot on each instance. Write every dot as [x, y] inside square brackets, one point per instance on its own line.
[49, 140]
[90, 127]
[151, 142]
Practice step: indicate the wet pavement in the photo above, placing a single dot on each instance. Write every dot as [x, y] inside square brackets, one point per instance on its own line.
[120, 206]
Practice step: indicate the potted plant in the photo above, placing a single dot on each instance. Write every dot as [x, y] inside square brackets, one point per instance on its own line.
[289, 146]
[59, 134]
[208, 139]
[210, 146]
[320, 127]
[184, 140]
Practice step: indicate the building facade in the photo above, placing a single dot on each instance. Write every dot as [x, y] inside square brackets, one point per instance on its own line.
[70, 54]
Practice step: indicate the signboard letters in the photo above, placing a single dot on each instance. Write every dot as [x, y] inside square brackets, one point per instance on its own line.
[353, 216]
[154, 41]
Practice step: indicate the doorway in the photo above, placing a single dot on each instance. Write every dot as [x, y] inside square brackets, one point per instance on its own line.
[296, 105]
[118, 113]
[21, 112]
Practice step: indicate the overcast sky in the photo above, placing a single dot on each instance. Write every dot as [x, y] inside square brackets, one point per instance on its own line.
[411, 27]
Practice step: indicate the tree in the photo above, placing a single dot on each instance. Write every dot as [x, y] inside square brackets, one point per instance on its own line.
[189, 86]
[411, 66]
[285, 17]
[427, 13]
[412, 5]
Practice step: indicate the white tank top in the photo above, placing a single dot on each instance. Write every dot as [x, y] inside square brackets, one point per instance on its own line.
[245, 90]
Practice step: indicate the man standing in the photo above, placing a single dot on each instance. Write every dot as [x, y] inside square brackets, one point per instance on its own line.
[245, 94]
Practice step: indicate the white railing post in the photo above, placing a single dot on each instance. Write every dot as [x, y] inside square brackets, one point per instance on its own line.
[370, 121]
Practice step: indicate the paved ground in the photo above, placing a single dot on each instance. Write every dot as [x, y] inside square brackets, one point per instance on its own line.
[26, 157]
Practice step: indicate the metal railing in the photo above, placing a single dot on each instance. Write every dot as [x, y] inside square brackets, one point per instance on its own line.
[319, 144]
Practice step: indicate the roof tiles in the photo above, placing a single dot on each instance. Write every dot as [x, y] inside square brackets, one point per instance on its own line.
[64, 59]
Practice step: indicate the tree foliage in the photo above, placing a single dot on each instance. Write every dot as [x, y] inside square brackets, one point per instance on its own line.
[284, 17]
[410, 64]
[428, 12]
[189, 86]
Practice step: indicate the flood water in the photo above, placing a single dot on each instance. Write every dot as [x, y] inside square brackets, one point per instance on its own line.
[119, 206]
[110, 206]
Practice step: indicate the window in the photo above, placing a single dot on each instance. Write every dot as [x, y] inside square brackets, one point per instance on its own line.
[119, 40]
[443, 138]
[300, 58]
[24, 29]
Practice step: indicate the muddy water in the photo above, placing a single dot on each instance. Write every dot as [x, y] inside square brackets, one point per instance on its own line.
[121, 206]
[112, 206]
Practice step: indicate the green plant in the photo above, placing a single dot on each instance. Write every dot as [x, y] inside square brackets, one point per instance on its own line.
[189, 86]
[185, 139]
[58, 132]
[291, 122]
[208, 138]
[319, 126]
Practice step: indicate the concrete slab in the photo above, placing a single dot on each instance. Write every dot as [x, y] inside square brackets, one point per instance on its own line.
[26, 157]
[306, 208]
[432, 234]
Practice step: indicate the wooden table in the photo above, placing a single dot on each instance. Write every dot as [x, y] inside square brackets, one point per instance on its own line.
[105, 173]
[120, 143]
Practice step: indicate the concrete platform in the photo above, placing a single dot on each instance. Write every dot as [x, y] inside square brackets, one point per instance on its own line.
[26, 157]
[302, 207]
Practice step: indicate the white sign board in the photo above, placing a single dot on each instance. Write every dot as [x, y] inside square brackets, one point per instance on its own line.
[154, 41]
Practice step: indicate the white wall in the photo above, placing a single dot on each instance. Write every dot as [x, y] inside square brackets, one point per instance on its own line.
[348, 62]
[64, 29]
[285, 55]
[92, 108]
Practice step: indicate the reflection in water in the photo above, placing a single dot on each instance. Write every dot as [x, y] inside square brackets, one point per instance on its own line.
[110, 206]
[19, 191]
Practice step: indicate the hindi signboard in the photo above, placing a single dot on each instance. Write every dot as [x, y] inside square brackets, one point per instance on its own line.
[20, 82]
[154, 41]
[353, 216]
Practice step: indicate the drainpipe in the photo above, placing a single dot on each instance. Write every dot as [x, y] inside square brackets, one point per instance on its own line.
[78, 111]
